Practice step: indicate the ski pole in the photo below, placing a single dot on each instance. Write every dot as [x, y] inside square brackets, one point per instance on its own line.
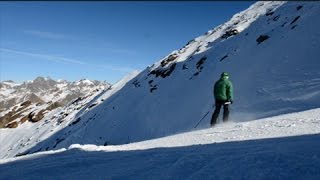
[202, 119]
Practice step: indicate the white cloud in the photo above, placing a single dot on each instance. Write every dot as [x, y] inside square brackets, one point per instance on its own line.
[43, 56]
[66, 60]
[47, 35]
[115, 68]
[109, 47]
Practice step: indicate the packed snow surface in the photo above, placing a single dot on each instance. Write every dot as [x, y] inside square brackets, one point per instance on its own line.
[281, 147]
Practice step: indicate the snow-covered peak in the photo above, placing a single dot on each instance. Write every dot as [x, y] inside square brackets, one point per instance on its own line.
[84, 82]
[237, 24]
[38, 79]
[61, 81]
[8, 84]
[242, 20]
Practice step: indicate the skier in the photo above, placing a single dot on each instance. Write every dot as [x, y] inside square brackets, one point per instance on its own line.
[223, 97]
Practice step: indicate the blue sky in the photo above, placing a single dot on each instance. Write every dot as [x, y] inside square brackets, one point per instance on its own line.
[99, 40]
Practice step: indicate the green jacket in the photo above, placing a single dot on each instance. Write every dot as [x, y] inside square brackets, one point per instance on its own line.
[223, 90]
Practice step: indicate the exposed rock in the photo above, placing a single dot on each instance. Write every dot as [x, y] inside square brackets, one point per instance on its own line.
[34, 98]
[163, 72]
[184, 67]
[53, 106]
[77, 100]
[76, 121]
[262, 38]
[200, 62]
[295, 19]
[93, 104]
[189, 42]
[269, 13]
[136, 83]
[14, 108]
[37, 117]
[12, 125]
[170, 58]
[11, 116]
[16, 116]
[26, 103]
[6, 119]
[21, 154]
[24, 119]
[152, 89]
[229, 33]
[39, 103]
[22, 108]
[39, 84]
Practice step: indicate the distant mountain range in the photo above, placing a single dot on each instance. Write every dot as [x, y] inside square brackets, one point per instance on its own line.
[19, 101]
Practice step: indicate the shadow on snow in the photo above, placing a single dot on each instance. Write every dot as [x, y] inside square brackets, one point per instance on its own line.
[295, 157]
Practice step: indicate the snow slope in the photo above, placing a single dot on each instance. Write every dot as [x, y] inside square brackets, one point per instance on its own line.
[18, 140]
[281, 147]
[272, 62]
[27, 135]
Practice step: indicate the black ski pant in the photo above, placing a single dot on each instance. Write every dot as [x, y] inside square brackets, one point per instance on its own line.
[215, 115]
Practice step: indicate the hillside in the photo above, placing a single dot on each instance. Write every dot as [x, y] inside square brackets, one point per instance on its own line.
[272, 62]
[29, 108]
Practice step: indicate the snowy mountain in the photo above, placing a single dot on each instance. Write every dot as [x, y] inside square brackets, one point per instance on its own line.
[54, 116]
[270, 50]
[32, 99]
